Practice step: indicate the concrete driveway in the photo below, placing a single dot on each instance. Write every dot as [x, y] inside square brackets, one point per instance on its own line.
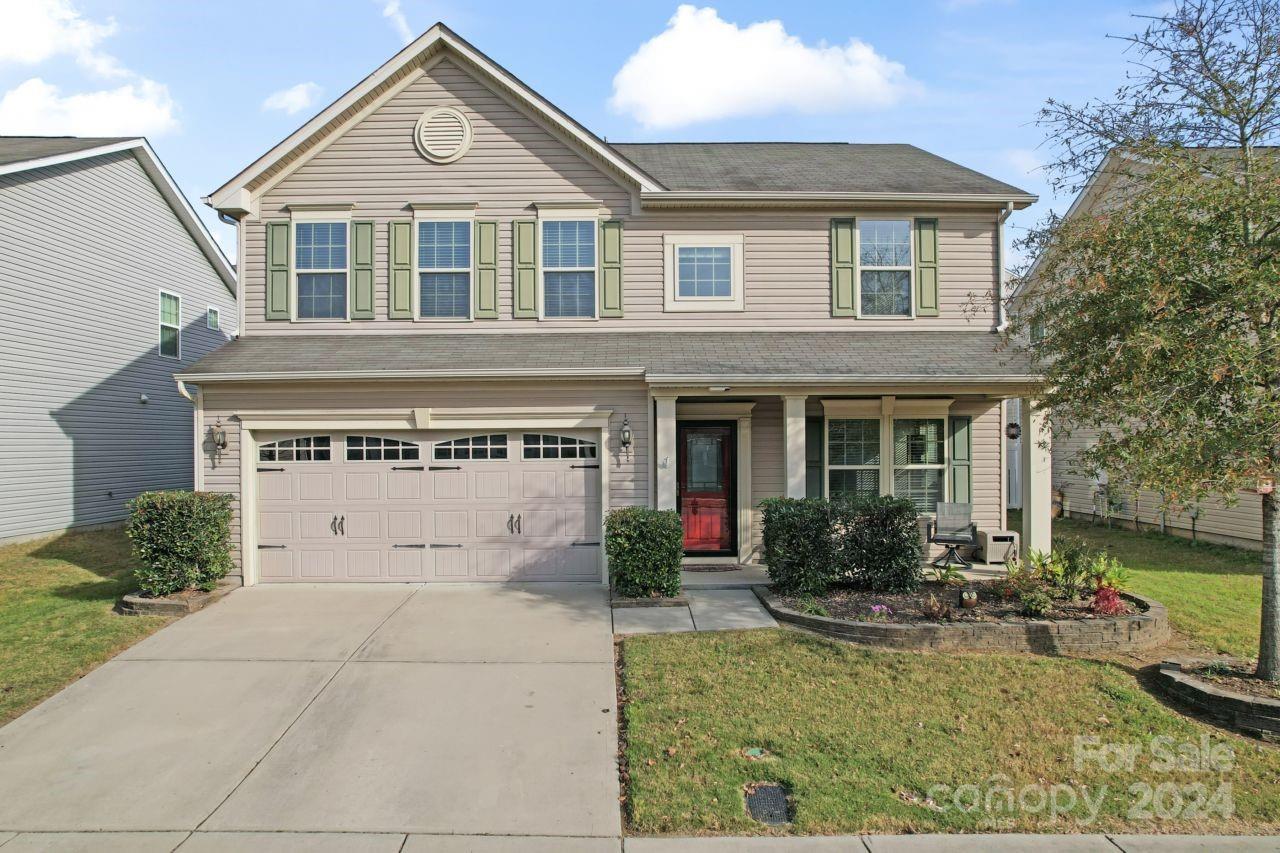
[445, 711]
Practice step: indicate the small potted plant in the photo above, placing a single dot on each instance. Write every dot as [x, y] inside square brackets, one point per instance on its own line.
[968, 598]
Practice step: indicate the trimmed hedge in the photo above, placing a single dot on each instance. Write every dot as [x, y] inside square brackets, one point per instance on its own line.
[645, 547]
[870, 543]
[182, 540]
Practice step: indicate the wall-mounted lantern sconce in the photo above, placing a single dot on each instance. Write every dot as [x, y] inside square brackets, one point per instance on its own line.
[1013, 431]
[625, 435]
[219, 436]
[143, 399]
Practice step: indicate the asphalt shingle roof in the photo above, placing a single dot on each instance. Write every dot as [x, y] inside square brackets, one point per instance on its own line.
[17, 149]
[806, 167]
[853, 355]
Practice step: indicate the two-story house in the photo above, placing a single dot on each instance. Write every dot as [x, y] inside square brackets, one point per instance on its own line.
[471, 327]
[110, 284]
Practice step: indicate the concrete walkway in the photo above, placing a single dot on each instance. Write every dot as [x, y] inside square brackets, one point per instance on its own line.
[369, 709]
[708, 610]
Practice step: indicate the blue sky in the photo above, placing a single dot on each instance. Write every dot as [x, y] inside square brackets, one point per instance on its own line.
[960, 78]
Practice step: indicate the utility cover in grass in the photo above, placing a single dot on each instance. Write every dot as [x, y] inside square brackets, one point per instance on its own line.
[767, 803]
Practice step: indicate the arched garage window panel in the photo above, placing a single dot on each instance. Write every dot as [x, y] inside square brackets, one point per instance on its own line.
[473, 447]
[373, 448]
[541, 446]
[308, 448]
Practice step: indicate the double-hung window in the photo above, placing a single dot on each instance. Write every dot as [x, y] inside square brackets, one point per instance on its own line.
[568, 249]
[920, 460]
[853, 453]
[320, 263]
[444, 269]
[703, 272]
[884, 268]
[170, 325]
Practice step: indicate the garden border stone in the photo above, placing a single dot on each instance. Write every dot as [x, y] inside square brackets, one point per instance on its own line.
[1043, 636]
[137, 604]
[1251, 715]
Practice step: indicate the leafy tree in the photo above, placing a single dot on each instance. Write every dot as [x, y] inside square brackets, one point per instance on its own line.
[1157, 313]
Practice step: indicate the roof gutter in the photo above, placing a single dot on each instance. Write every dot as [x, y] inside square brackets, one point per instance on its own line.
[1014, 201]
[493, 373]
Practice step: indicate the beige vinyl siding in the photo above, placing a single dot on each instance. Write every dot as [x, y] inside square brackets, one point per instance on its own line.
[515, 163]
[85, 249]
[1239, 524]
[628, 470]
[768, 461]
[988, 460]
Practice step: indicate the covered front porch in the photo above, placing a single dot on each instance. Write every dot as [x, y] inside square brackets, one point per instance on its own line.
[719, 450]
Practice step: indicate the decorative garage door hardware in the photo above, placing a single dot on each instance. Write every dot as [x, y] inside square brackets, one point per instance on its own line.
[585, 544]
[513, 523]
[446, 468]
[414, 545]
[406, 467]
[439, 545]
[272, 547]
[584, 466]
[260, 470]
[338, 525]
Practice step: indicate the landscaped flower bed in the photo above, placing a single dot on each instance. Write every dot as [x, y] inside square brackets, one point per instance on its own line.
[1226, 691]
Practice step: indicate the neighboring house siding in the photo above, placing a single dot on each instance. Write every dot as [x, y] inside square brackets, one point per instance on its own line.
[628, 471]
[1238, 524]
[85, 248]
[515, 163]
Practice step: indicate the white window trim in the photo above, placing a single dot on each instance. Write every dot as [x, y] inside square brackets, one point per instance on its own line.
[161, 325]
[444, 213]
[673, 301]
[887, 410]
[556, 213]
[213, 311]
[319, 214]
[910, 268]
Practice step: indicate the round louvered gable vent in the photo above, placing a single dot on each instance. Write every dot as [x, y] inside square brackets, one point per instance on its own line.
[443, 134]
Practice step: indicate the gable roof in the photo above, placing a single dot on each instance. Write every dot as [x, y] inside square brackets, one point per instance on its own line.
[233, 195]
[808, 167]
[24, 153]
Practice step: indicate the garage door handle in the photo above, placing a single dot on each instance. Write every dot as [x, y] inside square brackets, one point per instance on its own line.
[585, 544]
[272, 547]
[341, 526]
[518, 517]
[406, 467]
[438, 545]
[446, 467]
[417, 545]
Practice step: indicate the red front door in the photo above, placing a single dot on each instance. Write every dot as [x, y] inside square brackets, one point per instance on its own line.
[705, 466]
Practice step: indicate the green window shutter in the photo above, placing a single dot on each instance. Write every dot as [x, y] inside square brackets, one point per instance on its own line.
[610, 283]
[486, 264]
[400, 280]
[524, 258]
[926, 268]
[278, 271]
[361, 270]
[844, 270]
[962, 459]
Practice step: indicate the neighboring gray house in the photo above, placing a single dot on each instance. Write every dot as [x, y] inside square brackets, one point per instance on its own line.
[111, 284]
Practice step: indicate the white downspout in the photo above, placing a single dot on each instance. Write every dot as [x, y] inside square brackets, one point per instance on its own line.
[1001, 321]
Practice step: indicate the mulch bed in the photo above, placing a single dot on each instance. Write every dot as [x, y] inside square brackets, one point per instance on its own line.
[1237, 678]
[909, 607]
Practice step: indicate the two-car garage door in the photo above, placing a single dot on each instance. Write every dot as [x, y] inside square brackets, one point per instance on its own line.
[428, 506]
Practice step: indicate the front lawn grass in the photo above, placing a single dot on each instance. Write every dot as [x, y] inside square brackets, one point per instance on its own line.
[56, 622]
[861, 736]
[1213, 592]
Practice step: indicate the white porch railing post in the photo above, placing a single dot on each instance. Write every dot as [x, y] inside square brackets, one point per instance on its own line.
[793, 419]
[665, 451]
[1037, 480]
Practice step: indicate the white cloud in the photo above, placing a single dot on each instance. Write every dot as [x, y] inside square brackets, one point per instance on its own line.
[702, 68]
[38, 30]
[35, 107]
[293, 100]
[392, 12]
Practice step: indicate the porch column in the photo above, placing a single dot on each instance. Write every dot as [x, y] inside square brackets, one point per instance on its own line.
[665, 451]
[793, 424]
[1037, 480]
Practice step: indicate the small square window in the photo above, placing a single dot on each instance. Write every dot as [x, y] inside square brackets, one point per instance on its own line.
[703, 272]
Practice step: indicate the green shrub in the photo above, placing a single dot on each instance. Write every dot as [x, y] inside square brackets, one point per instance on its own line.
[878, 543]
[182, 540]
[1035, 602]
[645, 547]
[799, 548]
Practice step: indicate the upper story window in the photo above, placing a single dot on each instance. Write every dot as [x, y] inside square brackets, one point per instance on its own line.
[320, 261]
[170, 325]
[444, 269]
[373, 448]
[568, 268]
[703, 272]
[212, 320]
[884, 268]
[307, 448]
[473, 447]
[540, 446]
